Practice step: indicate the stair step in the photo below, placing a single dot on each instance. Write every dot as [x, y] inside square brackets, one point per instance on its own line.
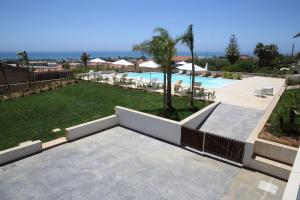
[272, 162]
[271, 167]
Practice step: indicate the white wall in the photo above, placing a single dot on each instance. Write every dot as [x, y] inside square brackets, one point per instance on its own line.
[91, 127]
[279, 152]
[292, 187]
[152, 125]
[24, 149]
[197, 118]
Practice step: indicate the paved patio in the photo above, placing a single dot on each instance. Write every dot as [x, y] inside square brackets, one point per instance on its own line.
[121, 164]
[241, 92]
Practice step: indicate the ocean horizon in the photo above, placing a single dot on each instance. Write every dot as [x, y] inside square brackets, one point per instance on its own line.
[60, 55]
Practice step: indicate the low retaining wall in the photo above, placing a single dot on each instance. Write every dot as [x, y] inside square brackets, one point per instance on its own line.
[249, 148]
[293, 185]
[197, 118]
[152, 125]
[91, 127]
[24, 149]
[275, 151]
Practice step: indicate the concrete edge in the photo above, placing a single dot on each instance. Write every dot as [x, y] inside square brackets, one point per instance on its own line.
[292, 188]
[146, 114]
[200, 112]
[91, 127]
[23, 150]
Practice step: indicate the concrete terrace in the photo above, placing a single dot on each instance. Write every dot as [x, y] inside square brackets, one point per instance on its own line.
[240, 93]
[122, 164]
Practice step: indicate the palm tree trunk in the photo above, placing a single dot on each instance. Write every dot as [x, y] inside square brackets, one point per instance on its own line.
[5, 77]
[169, 89]
[28, 76]
[193, 80]
[164, 90]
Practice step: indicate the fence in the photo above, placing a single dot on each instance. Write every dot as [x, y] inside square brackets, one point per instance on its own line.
[17, 87]
[216, 145]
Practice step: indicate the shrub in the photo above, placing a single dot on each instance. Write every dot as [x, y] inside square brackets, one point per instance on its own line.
[293, 80]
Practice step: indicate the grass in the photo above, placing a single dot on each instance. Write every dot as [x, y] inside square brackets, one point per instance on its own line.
[290, 97]
[33, 117]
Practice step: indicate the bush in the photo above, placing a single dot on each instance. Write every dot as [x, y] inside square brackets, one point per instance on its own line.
[293, 80]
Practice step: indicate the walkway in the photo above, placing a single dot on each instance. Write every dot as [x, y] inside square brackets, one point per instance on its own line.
[241, 92]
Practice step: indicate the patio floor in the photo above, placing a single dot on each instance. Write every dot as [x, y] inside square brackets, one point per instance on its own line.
[241, 93]
[121, 164]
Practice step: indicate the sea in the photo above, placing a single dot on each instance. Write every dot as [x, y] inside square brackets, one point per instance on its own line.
[65, 55]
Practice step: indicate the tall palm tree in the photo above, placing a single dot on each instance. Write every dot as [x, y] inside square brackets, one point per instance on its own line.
[4, 76]
[297, 35]
[162, 48]
[24, 61]
[84, 58]
[188, 40]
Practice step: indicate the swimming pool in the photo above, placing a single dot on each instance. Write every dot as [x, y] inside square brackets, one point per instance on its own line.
[206, 82]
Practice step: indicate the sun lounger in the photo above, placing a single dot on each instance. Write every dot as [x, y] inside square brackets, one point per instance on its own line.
[264, 91]
[123, 78]
[268, 90]
[180, 72]
[139, 82]
[259, 92]
[178, 86]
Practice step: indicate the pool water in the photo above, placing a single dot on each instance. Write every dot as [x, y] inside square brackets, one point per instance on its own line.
[206, 82]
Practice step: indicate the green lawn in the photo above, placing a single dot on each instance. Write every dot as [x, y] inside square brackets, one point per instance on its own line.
[33, 117]
[282, 109]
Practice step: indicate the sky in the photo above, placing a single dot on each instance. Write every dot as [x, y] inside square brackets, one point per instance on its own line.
[111, 25]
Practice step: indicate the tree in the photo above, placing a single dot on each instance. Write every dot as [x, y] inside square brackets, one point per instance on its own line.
[232, 50]
[162, 48]
[297, 35]
[188, 40]
[265, 53]
[4, 76]
[84, 58]
[24, 61]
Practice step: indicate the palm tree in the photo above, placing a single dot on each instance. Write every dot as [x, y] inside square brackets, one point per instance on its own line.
[188, 40]
[4, 76]
[162, 48]
[259, 52]
[24, 61]
[297, 35]
[84, 58]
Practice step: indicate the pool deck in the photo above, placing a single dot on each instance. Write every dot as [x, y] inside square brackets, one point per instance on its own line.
[122, 164]
[241, 93]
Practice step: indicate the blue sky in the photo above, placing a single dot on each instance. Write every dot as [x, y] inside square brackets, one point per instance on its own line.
[94, 25]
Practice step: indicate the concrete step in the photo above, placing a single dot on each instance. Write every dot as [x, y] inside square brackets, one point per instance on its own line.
[270, 166]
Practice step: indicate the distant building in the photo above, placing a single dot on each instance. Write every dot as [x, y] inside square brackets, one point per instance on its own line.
[244, 57]
[181, 58]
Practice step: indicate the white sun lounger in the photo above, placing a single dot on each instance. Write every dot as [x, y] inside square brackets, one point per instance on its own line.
[264, 91]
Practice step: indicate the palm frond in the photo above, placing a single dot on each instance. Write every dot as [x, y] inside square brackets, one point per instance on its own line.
[297, 35]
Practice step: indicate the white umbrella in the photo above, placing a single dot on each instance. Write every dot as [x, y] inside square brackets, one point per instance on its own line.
[149, 64]
[122, 63]
[188, 67]
[97, 60]
[206, 67]
[181, 63]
